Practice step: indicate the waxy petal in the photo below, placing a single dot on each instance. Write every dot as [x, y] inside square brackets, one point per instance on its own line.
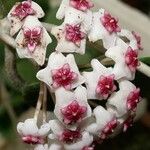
[16, 23]
[64, 98]
[92, 78]
[57, 61]
[117, 103]
[36, 49]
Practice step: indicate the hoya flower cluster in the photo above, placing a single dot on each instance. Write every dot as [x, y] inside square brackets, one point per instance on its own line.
[77, 126]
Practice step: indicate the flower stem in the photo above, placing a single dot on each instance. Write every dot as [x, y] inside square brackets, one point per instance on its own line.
[145, 69]
[45, 104]
[39, 102]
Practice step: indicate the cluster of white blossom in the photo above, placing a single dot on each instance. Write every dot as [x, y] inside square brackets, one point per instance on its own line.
[77, 126]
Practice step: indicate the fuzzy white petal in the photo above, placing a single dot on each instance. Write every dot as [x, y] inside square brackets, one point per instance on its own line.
[64, 97]
[41, 147]
[102, 118]
[132, 41]
[29, 127]
[44, 129]
[98, 31]
[86, 140]
[39, 54]
[61, 11]
[16, 23]
[56, 127]
[92, 78]
[67, 46]
[55, 146]
[37, 8]
[56, 61]
[117, 103]
[117, 53]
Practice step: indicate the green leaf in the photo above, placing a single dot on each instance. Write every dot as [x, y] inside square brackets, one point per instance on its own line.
[27, 70]
[145, 60]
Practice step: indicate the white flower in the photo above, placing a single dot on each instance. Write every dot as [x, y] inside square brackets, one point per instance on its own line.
[30, 132]
[41, 147]
[70, 140]
[74, 16]
[53, 146]
[32, 40]
[71, 38]
[104, 27]
[20, 11]
[125, 100]
[72, 107]
[99, 82]
[126, 60]
[105, 123]
[134, 39]
[61, 71]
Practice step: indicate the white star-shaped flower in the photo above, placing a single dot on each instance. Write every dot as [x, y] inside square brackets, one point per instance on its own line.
[20, 11]
[99, 82]
[72, 107]
[69, 139]
[61, 71]
[133, 41]
[126, 60]
[71, 38]
[104, 124]
[125, 100]
[74, 16]
[104, 27]
[30, 132]
[32, 40]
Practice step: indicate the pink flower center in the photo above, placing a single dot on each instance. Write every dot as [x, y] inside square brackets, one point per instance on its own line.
[33, 139]
[69, 136]
[73, 112]
[23, 10]
[74, 34]
[105, 86]
[133, 99]
[32, 37]
[110, 23]
[82, 5]
[131, 59]
[109, 129]
[63, 77]
[138, 39]
[128, 122]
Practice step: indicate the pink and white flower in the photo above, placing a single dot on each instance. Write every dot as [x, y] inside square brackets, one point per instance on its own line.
[72, 107]
[74, 16]
[104, 125]
[70, 139]
[20, 11]
[128, 122]
[82, 5]
[138, 40]
[41, 147]
[61, 71]
[104, 27]
[125, 100]
[133, 37]
[126, 60]
[30, 132]
[100, 82]
[32, 40]
[53, 146]
[71, 38]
